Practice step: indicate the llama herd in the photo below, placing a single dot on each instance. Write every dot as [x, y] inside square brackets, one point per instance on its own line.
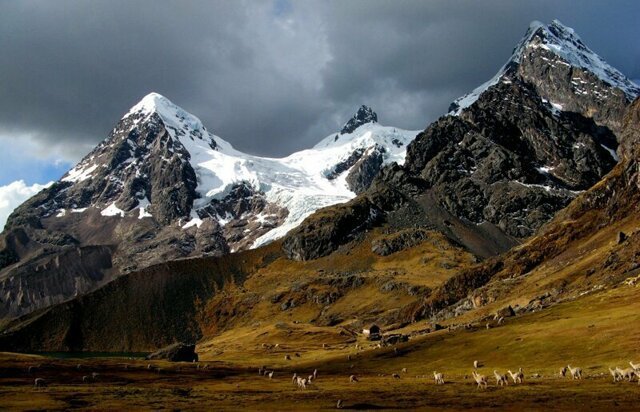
[620, 374]
[482, 381]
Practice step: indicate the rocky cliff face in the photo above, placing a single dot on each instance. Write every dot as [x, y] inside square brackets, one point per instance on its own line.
[584, 236]
[510, 154]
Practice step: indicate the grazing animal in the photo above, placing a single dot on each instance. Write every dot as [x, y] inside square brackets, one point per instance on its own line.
[396, 376]
[315, 374]
[518, 376]
[500, 379]
[481, 380]
[438, 377]
[615, 374]
[353, 379]
[627, 373]
[294, 378]
[39, 383]
[404, 370]
[149, 366]
[302, 383]
[94, 375]
[85, 379]
[635, 366]
[563, 371]
[476, 364]
[271, 374]
[576, 373]
[339, 404]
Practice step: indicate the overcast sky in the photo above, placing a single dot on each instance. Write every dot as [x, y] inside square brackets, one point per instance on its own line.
[271, 77]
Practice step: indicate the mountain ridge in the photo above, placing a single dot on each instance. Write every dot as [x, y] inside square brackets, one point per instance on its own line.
[162, 187]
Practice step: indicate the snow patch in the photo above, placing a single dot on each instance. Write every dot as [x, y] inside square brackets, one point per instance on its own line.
[79, 173]
[143, 204]
[112, 210]
[195, 221]
[611, 152]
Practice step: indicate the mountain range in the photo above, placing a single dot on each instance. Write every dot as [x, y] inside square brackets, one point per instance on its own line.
[165, 232]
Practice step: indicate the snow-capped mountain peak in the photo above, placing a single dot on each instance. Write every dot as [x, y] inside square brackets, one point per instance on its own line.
[364, 115]
[160, 165]
[178, 121]
[555, 45]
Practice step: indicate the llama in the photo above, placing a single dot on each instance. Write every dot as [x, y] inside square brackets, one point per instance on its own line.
[627, 373]
[438, 377]
[353, 379]
[518, 376]
[500, 379]
[615, 374]
[476, 364]
[481, 380]
[39, 383]
[576, 373]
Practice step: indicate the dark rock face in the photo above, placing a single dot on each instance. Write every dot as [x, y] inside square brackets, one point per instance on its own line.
[505, 164]
[344, 165]
[329, 228]
[178, 352]
[363, 115]
[575, 89]
[247, 215]
[399, 241]
[366, 169]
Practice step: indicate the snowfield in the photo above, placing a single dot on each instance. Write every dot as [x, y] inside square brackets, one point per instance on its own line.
[298, 182]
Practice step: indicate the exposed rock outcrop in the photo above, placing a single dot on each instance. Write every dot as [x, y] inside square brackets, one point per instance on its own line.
[177, 352]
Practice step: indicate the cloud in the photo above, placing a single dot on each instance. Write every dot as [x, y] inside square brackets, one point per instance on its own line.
[13, 194]
[270, 77]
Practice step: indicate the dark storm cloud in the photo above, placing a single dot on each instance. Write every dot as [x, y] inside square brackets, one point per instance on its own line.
[271, 77]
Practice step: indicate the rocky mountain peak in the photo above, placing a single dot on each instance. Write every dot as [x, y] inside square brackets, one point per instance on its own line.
[179, 122]
[364, 115]
[565, 72]
[565, 44]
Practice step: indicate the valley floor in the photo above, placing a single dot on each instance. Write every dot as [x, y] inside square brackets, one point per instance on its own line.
[542, 342]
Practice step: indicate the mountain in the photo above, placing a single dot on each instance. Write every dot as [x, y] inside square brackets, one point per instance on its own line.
[509, 200]
[565, 73]
[590, 246]
[162, 187]
[507, 157]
